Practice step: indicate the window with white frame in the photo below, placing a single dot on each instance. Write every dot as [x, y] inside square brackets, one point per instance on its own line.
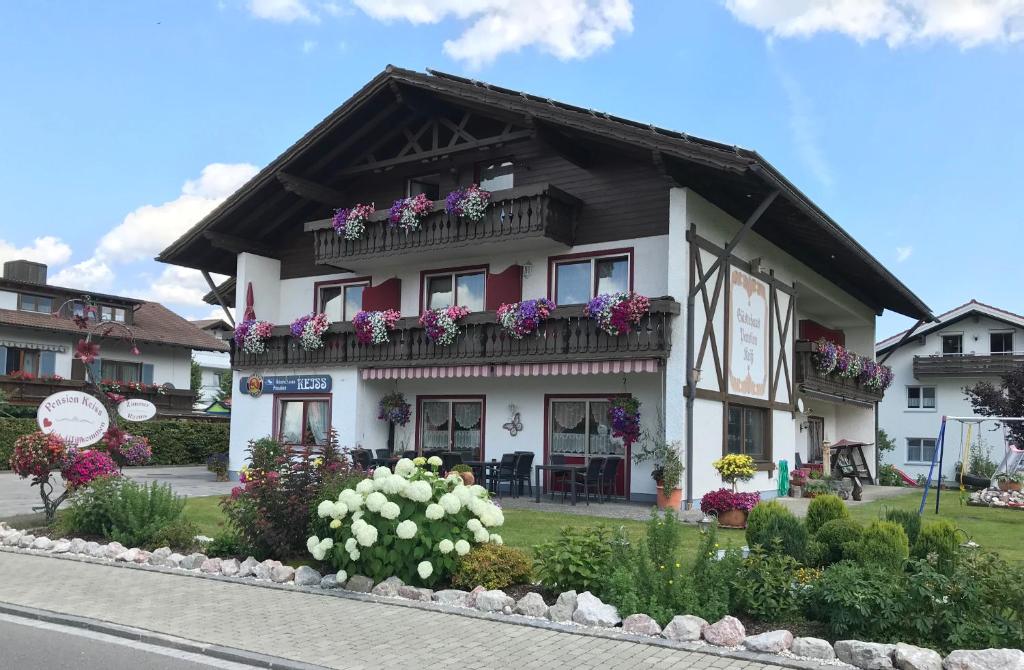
[304, 421]
[447, 288]
[1001, 343]
[953, 344]
[920, 449]
[920, 397]
[110, 313]
[577, 280]
[341, 301]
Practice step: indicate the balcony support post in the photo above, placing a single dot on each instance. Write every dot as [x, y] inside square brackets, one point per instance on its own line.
[220, 298]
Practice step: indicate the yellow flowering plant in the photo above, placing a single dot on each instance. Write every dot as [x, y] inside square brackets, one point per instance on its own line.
[735, 468]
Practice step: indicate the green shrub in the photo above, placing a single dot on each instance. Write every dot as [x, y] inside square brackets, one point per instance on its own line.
[225, 544]
[121, 510]
[713, 578]
[179, 535]
[833, 536]
[774, 528]
[887, 476]
[883, 544]
[492, 566]
[939, 538]
[823, 509]
[577, 560]
[862, 602]
[765, 589]
[910, 521]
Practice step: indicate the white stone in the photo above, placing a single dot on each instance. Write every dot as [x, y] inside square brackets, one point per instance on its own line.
[162, 552]
[359, 584]
[210, 566]
[42, 544]
[77, 546]
[532, 604]
[13, 539]
[114, 549]
[142, 557]
[453, 597]
[388, 588]
[61, 547]
[641, 624]
[684, 628]
[985, 659]
[229, 567]
[193, 561]
[95, 549]
[25, 541]
[415, 593]
[909, 657]
[330, 581]
[564, 607]
[726, 632]
[494, 600]
[590, 611]
[813, 647]
[173, 561]
[772, 642]
[307, 576]
[247, 568]
[282, 573]
[472, 596]
[865, 655]
[128, 555]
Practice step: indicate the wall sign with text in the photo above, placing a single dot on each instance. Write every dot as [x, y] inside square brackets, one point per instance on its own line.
[748, 335]
[78, 418]
[255, 385]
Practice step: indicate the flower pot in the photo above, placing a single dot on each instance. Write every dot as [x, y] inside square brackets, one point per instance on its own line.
[467, 478]
[733, 518]
[1009, 486]
[670, 501]
[796, 491]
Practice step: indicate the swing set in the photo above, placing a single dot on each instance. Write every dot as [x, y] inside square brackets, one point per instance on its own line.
[1013, 458]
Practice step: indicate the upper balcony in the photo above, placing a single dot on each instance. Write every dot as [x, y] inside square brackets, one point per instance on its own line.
[829, 386]
[535, 216]
[567, 336]
[967, 365]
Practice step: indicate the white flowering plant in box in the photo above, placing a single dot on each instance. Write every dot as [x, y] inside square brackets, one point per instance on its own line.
[411, 523]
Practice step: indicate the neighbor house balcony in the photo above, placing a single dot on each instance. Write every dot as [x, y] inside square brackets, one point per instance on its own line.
[567, 336]
[535, 216]
[30, 393]
[967, 365]
[830, 387]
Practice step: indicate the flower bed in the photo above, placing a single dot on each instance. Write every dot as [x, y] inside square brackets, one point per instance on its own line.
[375, 327]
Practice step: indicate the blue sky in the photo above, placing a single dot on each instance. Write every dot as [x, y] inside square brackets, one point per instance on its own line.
[122, 124]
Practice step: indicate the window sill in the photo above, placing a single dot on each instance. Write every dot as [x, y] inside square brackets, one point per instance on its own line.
[915, 410]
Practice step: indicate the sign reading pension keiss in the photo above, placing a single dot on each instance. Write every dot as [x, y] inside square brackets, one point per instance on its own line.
[78, 418]
[255, 385]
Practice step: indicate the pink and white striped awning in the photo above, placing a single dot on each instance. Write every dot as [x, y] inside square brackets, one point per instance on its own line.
[614, 367]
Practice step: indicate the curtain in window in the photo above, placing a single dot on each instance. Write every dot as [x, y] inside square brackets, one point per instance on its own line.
[291, 422]
[568, 429]
[467, 415]
[601, 441]
[318, 421]
[435, 434]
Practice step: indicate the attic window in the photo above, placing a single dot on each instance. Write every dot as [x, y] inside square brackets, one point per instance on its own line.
[108, 313]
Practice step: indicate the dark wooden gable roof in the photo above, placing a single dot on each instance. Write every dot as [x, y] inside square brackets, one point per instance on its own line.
[292, 188]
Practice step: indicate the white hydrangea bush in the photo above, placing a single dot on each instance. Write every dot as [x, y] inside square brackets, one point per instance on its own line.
[411, 523]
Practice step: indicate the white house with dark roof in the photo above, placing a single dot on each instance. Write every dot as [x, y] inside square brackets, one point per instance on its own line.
[932, 364]
[213, 365]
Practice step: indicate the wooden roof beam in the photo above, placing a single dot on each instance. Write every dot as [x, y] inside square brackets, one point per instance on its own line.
[311, 190]
[239, 245]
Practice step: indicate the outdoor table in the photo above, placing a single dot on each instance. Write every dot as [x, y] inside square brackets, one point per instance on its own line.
[551, 467]
[484, 467]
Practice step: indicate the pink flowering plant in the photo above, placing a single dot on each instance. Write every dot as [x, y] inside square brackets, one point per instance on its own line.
[833, 359]
[407, 213]
[522, 318]
[350, 222]
[375, 327]
[624, 416]
[723, 500]
[617, 313]
[309, 330]
[252, 335]
[125, 448]
[85, 465]
[440, 324]
[470, 203]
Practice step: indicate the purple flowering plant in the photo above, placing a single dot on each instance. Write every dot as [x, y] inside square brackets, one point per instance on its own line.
[440, 323]
[624, 416]
[394, 409]
[374, 327]
[309, 330]
[723, 500]
[470, 202]
[350, 222]
[406, 213]
[252, 335]
[522, 318]
[617, 313]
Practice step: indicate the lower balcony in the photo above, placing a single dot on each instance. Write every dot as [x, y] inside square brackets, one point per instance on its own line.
[967, 365]
[567, 336]
[29, 393]
[830, 387]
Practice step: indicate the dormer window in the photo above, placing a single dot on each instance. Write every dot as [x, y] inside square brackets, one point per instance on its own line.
[35, 303]
[108, 313]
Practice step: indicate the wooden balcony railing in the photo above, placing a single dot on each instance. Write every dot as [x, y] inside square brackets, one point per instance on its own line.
[32, 392]
[809, 378]
[967, 365]
[534, 211]
[565, 337]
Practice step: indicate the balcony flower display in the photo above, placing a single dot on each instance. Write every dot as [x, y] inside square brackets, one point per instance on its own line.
[624, 416]
[831, 359]
[875, 376]
[374, 327]
[406, 213]
[470, 203]
[394, 409]
[309, 330]
[411, 523]
[617, 313]
[522, 318]
[350, 222]
[440, 324]
[252, 335]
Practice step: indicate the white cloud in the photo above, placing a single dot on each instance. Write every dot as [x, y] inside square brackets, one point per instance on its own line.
[966, 23]
[48, 249]
[148, 229]
[91, 274]
[903, 253]
[282, 11]
[308, 46]
[180, 286]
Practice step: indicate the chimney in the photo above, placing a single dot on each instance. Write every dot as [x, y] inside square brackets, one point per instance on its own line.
[26, 271]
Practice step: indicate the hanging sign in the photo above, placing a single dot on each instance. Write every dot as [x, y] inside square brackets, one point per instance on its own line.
[136, 409]
[255, 385]
[78, 418]
[748, 335]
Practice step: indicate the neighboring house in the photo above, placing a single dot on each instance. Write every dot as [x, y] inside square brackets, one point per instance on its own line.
[582, 204]
[213, 365]
[38, 335]
[933, 364]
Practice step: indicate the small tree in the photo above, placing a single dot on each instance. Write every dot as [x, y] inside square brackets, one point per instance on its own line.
[195, 381]
[883, 442]
[1007, 399]
[224, 392]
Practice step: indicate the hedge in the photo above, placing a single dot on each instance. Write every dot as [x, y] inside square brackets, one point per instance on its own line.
[174, 441]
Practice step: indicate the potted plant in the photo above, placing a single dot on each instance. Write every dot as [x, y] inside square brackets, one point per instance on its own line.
[668, 467]
[1008, 482]
[466, 473]
[734, 468]
[797, 482]
[731, 508]
[667, 476]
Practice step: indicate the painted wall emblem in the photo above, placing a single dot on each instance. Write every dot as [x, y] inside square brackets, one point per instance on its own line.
[254, 386]
[748, 335]
[78, 418]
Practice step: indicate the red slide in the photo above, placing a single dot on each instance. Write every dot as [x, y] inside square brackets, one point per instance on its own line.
[906, 478]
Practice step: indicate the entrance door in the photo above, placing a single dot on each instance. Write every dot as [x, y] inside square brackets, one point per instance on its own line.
[579, 430]
[815, 438]
[452, 425]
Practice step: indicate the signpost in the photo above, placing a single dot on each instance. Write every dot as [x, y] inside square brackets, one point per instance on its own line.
[78, 418]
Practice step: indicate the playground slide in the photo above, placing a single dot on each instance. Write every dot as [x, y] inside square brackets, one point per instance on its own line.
[907, 479]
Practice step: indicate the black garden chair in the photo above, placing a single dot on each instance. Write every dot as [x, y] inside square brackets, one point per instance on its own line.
[524, 463]
[608, 475]
[590, 480]
[558, 477]
[505, 472]
[449, 460]
[361, 458]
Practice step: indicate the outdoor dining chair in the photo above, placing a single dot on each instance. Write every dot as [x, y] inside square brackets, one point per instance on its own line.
[524, 463]
[558, 477]
[449, 460]
[361, 458]
[590, 480]
[382, 454]
[608, 475]
[506, 471]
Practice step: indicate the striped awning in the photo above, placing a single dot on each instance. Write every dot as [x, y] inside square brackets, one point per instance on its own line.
[612, 367]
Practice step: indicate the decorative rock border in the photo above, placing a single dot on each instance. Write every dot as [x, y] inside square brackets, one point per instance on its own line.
[582, 613]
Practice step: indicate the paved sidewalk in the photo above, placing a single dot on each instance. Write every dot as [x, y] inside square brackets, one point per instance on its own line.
[332, 631]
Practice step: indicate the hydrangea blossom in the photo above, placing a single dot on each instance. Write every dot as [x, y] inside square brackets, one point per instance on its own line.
[424, 569]
[446, 546]
[420, 491]
[350, 544]
[406, 530]
[404, 467]
[470, 203]
[382, 472]
[434, 512]
[440, 325]
[462, 547]
[450, 503]
[496, 539]
[474, 525]
[390, 511]
[325, 509]
[252, 335]
[365, 487]
[435, 461]
[406, 213]
[375, 501]
[522, 318]
[481, 536]
[309, 330]
[617, 313]
[374, 327]
[350, 223]
[394, 485]
[335, 524]
[341, 577]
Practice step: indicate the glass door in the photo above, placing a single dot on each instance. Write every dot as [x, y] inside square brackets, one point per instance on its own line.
[452, 425]
[580, 430]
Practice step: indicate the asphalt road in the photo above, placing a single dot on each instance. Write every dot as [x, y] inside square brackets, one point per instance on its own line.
[35, 645]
